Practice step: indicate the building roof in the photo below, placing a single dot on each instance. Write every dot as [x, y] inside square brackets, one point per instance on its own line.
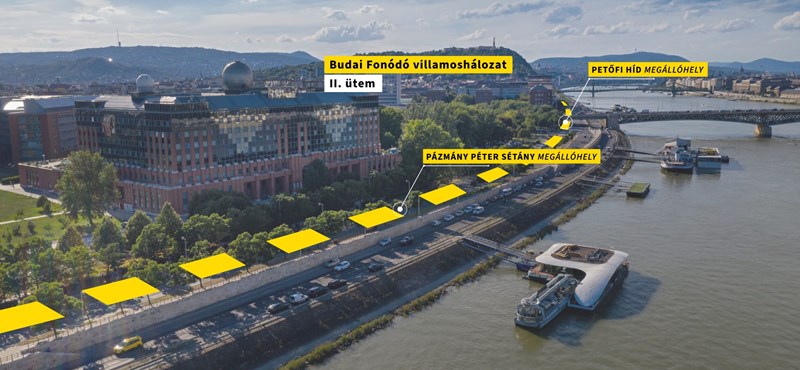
[591, 288]
[42, 104]
[226, 102]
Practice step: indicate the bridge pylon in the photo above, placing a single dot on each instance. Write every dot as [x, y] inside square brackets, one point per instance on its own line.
[763, 131]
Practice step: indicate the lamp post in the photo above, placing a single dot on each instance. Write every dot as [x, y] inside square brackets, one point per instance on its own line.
[185, 251]
[322, 207]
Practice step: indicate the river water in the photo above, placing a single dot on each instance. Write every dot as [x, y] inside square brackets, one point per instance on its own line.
[715, 269]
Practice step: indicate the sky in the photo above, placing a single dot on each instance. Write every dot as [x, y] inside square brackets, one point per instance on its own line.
[701, 30]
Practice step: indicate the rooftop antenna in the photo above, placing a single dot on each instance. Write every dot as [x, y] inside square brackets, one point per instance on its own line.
[493, 44]
[119, 44]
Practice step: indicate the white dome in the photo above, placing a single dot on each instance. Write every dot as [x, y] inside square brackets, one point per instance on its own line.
[237, 76]
[144, 84]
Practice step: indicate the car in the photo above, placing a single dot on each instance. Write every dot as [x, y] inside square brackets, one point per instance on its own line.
[317, 291]
[539, 179]
[336, 283]
[448, 218]
[484, 203]
[128, 344]
[332, 262]
[277, 307]
[459, 213]
[297, 298]
[407, 240]
[375, 266]
[385, 241]
[506, 192]
[468, 209]
[518, 188]
[344, 265]
[494, 198]
[478, 211]
[435, 223]
[559, 174]
[539, 184]
[474, 205]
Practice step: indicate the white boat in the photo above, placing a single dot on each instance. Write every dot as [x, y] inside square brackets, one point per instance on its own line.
[545, 304]
[676, 156]
[709, 159]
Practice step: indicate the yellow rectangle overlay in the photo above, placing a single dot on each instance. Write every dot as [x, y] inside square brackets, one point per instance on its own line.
[493, 174]
[553, 141]
[648, 69]
[418, 64]
[510, 156]
[120, 291]
[213, 265]
[297, 241]
[443, 194]
[26, 315]
[375, 217]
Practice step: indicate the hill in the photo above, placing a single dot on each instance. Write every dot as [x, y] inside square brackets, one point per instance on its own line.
[762, 65]
[579, 64]
[161, 62]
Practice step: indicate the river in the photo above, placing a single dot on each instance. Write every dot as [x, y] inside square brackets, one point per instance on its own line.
[714, 269]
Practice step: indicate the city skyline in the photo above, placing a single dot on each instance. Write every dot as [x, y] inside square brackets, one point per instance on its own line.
[741, 30]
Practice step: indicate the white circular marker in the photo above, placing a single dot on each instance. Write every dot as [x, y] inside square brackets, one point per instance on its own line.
[400, 208]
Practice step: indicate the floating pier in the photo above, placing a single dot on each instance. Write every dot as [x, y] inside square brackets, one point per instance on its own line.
[639, 190]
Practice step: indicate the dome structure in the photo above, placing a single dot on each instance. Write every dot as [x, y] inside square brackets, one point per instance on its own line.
[237, 76]
[144, 84]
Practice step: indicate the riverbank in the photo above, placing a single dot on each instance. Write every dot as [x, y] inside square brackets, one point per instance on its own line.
[565, 210]
[745, 97]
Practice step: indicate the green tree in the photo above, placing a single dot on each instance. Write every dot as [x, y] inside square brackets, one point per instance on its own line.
[171, 221]
[315, 175]
[71, 238]
[243, 249]
[41, 201]
[52, 295]
[464, 99]
[135, 225]
[31, 227]
[154, 243]
[391, 120]
[252, 219]
[49, 265]
[88, 184]
[107, 233]
[80, 264]
[200, 249]
[424, 134]
[218, 201]
[328, 222]
[112, 255]
[149, 271]
[213, 228]
[279, 231]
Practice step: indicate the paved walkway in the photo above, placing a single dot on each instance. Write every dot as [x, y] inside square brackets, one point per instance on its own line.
[32, 218]
[30, 192]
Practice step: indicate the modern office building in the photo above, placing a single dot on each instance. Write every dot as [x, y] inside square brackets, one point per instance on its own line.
[168, 148]
[541, 95]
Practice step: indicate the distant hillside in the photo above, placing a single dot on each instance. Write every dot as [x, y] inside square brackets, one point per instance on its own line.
[160, 62]
[579, 65]
[762, 65]
[521, 66]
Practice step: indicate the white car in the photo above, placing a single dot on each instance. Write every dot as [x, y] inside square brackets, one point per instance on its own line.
[344, 265]
[539, 179]
[477, 211]
[539, 184]
[435, 223]
[297, 298]
[385, 241]
[332, 262]
[449, 218]
[459, 213]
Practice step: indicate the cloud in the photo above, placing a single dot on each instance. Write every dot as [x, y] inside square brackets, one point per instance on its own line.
[370, 9]
[477, 34]
[336, 14]
[110, 10]
[558, 32]
[364, 32]
[694, 13]
[85, 18]
[422, 22]
[622, 27]
[253, 41]
[54, 40]
[162, 12]
[728, 25]
[563, 14]
[285, 38]
[655, 28]
[789, 22]
[497, 9]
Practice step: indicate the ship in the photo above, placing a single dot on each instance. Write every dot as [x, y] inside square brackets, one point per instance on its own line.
[677, 157]
[582, 278]
[709, 159]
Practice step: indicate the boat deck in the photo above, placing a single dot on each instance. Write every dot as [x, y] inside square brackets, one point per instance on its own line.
[579, 253]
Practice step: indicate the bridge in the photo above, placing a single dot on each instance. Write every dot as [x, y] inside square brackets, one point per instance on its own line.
[673, 88]
[763, 119]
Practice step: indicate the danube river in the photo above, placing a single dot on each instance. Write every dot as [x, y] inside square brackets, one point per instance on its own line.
[715, 269]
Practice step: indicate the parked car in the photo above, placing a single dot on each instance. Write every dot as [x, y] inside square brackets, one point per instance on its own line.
[317, 291]
[448, 218]
[506, 192]
[128, 344]
[494, 198]
[277, 307]
[539, 184]
[539, 179]
[435, 223]
[344, 265]
[336, 283]
[385, 241]
[297, 298]
[332, 262]
[375, 266]
[468, 209]
[478, 211]
[407, 240]
[459, 213]
[484, 203]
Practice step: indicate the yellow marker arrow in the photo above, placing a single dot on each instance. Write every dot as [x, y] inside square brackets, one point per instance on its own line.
[567, 112]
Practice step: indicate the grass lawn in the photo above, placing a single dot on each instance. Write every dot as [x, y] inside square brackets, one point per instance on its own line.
[11, 203]
[48, 228]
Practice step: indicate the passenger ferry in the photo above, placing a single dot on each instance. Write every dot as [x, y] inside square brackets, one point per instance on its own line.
[677, 157]
[583, 277]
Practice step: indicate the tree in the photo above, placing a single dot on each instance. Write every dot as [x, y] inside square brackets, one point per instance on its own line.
[31, 227]
[154, 243]
[48, 265]
[267, 251]
[213, 228]
[218, 201]
[52, 295]
[200, 249]
[243, 249]
[424, 134]
[465, 99]
[171, 221]
[71, 238]
[252, 219]
[135, 225]
[315, 175]
[149, 271]
[88, 184]
[391, 120]
[328, 222]
[41, 201]
[80, 264]
[107, 233]
[112, 255]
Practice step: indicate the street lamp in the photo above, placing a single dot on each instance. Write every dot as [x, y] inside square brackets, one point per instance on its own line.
[322, 207]
[185, 251]
[408, 183]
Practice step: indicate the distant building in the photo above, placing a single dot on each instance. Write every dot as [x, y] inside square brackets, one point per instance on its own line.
[169, 148]
[41, 126]
[391, 90]
[541, 95]
[483, 95]
[5, 135]
[791, 94]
